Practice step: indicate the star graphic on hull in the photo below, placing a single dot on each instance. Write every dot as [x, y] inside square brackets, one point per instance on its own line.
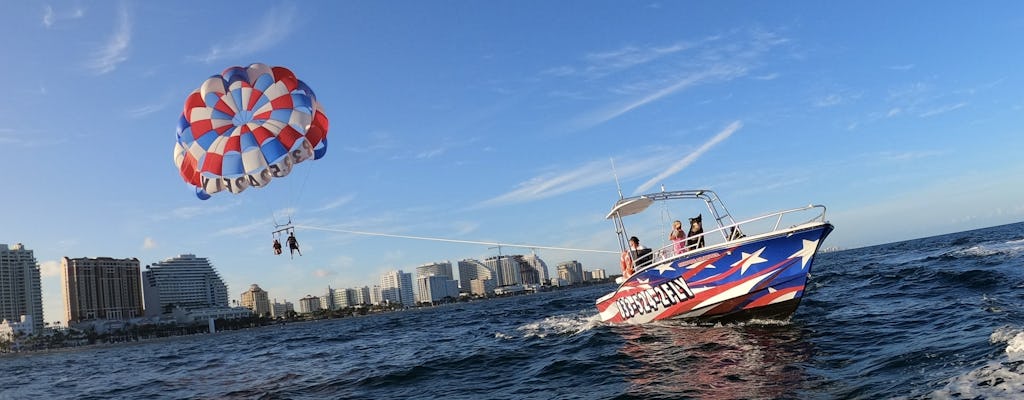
[664, 267]
[746, 260]
[806, 253]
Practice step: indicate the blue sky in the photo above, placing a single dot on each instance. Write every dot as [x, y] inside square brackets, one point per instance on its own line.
[496, 121]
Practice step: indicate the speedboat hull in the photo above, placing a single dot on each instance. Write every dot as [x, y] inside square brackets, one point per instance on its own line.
[759, 277]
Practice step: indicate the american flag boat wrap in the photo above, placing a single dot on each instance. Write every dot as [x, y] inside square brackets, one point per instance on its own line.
[753, 269]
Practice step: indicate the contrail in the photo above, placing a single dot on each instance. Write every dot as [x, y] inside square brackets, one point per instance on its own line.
[689, 159]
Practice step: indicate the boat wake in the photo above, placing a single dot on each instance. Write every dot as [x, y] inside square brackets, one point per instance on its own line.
[998, 379]
[558, 325]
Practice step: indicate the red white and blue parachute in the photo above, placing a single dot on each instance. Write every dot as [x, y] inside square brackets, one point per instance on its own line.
[246, 126]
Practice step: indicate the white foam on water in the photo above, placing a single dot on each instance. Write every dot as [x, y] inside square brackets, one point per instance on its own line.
[1010, 248]
[560, 325]
[1000, 379]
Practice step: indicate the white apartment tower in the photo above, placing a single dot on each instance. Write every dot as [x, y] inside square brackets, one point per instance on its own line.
[442, 269]
[101, 288]
[184, 281]
[571, 272]
[396, 288]
[257, 300]
[20, 290]
[472, 270]
[538, 265]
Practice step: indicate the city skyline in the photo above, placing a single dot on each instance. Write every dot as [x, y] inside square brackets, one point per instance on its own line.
[499, 122]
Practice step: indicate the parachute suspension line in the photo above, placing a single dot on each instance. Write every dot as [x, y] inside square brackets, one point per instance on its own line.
[302, 187]
[524, 246]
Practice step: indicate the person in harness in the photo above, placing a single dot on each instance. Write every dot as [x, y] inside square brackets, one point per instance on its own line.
[293, 244]
[277, 247]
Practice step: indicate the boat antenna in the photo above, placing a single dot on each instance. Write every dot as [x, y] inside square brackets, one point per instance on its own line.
[616, 175]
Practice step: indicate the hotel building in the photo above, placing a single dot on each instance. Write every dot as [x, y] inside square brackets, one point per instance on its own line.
[185, 281]
[101, 288]
[257, 300]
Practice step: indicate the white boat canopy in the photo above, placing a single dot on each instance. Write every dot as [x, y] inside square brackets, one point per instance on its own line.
[630, 206]
[637, 204]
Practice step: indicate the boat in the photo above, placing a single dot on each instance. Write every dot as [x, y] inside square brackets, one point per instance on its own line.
[752, 269]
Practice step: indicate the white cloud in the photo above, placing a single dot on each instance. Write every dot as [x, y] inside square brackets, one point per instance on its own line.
[692, 157]
[829, 101]
[906, 67]
[590, 174]
[148, 243]
[50, 268]
[336, 203]
[48, 16]
[713, 74]
[115, 51]
[275, 27]
[942, 110]
[323, 273]
[51, 17]
[142, 111]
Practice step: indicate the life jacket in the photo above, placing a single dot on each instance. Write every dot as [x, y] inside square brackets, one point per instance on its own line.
[627, 265]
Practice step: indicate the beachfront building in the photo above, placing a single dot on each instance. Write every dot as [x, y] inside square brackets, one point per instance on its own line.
[571, 272]
[184, 282]
[102, 288]
[435, 289]
[376, 295]
[598, 274]
[442, 269]
[477, 278]
[281, 310]
[508, 269]
[10, 330]
[470, 270]
[20, 289]
[362, 295]
[309, 304]
[396, 288]
[327, 301]
[539, 267]
[257, 300]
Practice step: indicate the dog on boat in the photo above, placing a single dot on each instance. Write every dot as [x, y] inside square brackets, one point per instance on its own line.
[696, 229]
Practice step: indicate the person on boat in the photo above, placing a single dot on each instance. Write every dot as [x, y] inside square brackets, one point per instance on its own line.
[293, 244]
[277, 247]
[678, 237]
[638, 255]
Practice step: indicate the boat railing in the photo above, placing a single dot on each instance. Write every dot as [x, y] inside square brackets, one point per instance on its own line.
[752, 227]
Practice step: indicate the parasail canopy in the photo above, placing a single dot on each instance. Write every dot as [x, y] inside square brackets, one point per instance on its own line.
[247, 126]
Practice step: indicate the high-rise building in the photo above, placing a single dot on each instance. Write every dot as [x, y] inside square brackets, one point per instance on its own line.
[101, 288]
[472, 270]
[376, 295]
[442, 269]
[20, 290]
[539, 266]
[434, 289]
[309, 304]
[185, 281]
[362, 296]
[598, 274]
[396, 288]
[507, 268]
[281, 310]
[571, 272]
[327, 301]
[257, 300]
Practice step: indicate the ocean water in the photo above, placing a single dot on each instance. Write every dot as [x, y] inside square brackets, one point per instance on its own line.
[940, 317]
